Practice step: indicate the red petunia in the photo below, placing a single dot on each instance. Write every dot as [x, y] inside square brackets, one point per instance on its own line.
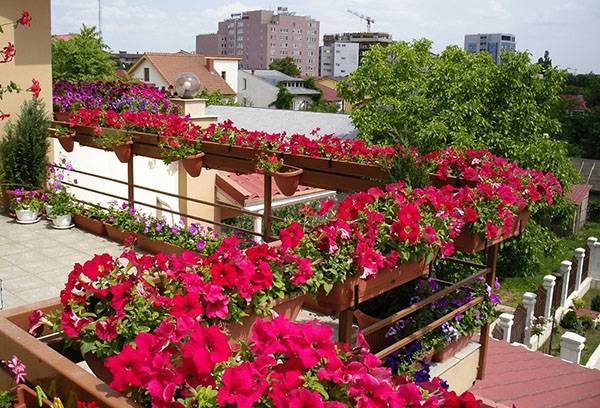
[35, 88]
[25, 19]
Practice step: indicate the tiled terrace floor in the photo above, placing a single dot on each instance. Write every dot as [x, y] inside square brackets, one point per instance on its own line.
[36, 259]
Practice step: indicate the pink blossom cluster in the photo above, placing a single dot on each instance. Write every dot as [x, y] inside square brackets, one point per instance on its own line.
[285, 364]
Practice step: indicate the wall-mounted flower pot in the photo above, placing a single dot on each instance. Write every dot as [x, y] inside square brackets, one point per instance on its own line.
[26, 397]
[341, 296]
[470, 242]
[288, 307]
[96, 364]
[287, 179]
[123, 151]
[193, 164]
[451, 348]
[115, 233]
[89, 224]
[67, 141]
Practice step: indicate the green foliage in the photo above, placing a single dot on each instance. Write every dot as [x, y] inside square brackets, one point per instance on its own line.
[82, 58]
[587, 322]
[460, 98]
[569, 320]
[596, 303]
[7, 399]
[216, 98]
[61, 203]
[110, 137]
[594, 210]
[284, 98]
[322, 106]
[23, 151]
[578, 303]
[285, 65]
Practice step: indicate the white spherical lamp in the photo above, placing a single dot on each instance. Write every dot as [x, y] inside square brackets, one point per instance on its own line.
[187, 85]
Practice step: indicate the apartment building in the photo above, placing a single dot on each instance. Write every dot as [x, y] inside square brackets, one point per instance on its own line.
[341, 54]
[261, 36]
[492, 43]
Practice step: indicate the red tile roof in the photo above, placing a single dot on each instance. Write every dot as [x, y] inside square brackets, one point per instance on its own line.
[576, 102]
[170, 65]
[329, 94]
[579, 192]
[62, 37]
[249, 188]
[534, 380]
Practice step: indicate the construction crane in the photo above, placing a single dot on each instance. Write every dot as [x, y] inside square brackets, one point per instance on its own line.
[368, 19]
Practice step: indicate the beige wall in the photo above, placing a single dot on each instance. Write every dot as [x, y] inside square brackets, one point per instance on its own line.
[33, 58]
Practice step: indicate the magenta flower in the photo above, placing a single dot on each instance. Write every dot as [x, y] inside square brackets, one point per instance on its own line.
[16, 368]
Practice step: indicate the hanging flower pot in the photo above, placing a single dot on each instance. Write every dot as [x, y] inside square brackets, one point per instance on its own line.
[287, 179]
[123, 151]
[193, 164]
[67, 141]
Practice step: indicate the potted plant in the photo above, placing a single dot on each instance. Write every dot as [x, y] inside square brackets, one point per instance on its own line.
[62, 206]
[27, 206]
[118, 140]
[65, 136]
[23, 151]
[90, 218]
[184, 146]
[286, 177]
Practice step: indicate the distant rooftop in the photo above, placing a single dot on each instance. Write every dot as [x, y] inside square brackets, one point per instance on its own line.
[272, 76]
[279, 120]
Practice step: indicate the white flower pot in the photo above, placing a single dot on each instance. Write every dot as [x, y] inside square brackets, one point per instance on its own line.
[48, 209]
[26, 215]
[62, 221]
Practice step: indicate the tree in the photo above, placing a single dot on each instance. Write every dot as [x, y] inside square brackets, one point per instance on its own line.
[284, 99]
[545, 62]
[285, 65]
[82, 58]
[410, 96]
[216, 98]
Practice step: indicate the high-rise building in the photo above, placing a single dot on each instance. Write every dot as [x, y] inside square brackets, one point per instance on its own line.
[492, 43]
[261, 36]
[341, 54]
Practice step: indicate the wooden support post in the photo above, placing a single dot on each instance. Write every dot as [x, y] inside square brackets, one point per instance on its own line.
[345, 326]
[130, 182]
[267, 213]
[484, 336]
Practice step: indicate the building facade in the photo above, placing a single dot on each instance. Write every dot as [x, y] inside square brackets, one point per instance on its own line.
[261, 36]
[492, 43]
[341, 54]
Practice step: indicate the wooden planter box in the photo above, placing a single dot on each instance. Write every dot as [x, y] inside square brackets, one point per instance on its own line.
[115, 233]
[342, 296]
[452, 348]
[336, 166]
[471, 242]
[46, 365]
[89, 224]
[61, 116]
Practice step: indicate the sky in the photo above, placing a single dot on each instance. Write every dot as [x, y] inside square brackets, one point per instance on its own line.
[569, 29]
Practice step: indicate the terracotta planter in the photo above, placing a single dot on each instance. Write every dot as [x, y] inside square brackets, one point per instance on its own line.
[155, 246]
[287, 179]
[61, 116]
[439, 182]
[67, 142]
[96, 364]
[115, 233]
[471, 242]
[341, 296]
[193, 164]
[377, 340]
[451, 349]
[26, 397]
[123, 151]
[89, 224]
[288, 307]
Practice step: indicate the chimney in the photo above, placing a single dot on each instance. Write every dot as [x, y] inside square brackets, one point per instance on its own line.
[210, 64]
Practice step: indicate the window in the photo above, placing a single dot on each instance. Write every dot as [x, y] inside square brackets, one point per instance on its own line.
[223, 74]
[147, 74]
[245, 84]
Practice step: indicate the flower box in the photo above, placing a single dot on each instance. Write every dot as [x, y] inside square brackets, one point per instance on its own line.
[377, 340]
[341, 296]
[471, 242]
[88, 224]
[47, 365]
[155, 246]
[451, 348]
[115, 234]
[229, 150]
[341, 167]
[288, 306]
[25, 397]
[61, 116]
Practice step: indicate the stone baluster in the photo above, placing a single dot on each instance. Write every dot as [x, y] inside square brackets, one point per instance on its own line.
[548, 284]
[505, 323]
[565, 271]
[529, 304]
[571, 346]
[580, 255]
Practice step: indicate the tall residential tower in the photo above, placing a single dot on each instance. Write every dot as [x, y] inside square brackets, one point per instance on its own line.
[261, 36]
[492, 43]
